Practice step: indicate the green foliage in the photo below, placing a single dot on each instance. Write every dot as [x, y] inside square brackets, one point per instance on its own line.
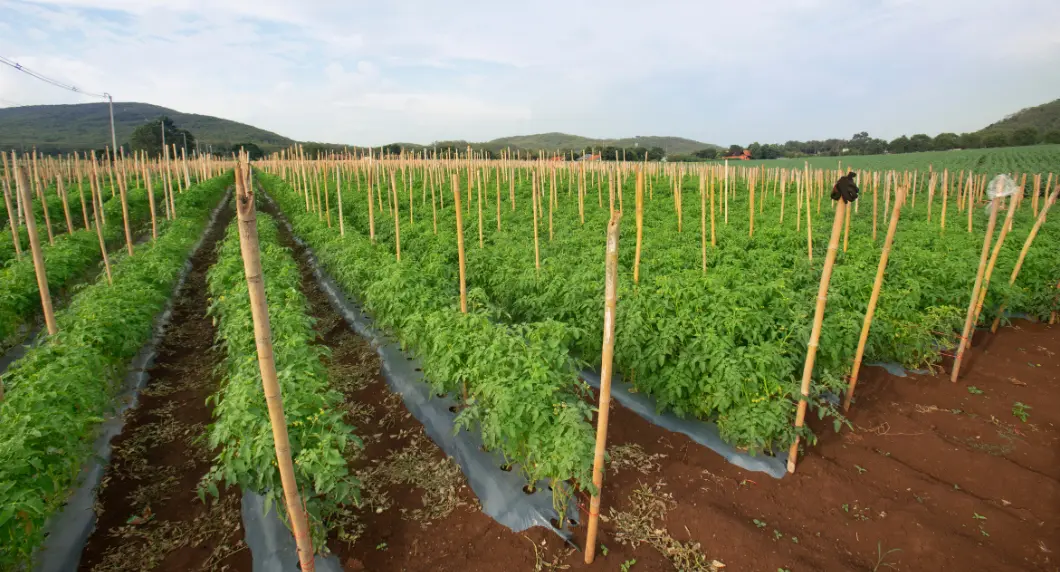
[525, 396]
[1021, 410]
[241, 432]
[66, 262]
[60, 391]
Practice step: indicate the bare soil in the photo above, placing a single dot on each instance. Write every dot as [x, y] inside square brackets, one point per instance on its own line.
[150, 514]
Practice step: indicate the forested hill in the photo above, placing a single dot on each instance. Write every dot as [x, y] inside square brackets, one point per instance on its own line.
[83, 126]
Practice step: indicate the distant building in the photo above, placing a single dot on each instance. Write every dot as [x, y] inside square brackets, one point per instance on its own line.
[745, 156]
[590, 157]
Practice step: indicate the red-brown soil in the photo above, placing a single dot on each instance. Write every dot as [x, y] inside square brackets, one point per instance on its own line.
[150, 515]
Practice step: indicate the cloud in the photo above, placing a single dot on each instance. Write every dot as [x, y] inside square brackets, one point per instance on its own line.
[373, 73]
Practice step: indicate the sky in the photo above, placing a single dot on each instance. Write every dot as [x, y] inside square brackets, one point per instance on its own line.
[369, 73]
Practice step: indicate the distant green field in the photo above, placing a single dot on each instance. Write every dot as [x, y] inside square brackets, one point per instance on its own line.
[1035, 159]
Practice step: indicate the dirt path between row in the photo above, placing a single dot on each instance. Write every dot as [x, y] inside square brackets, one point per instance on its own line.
[150, 514]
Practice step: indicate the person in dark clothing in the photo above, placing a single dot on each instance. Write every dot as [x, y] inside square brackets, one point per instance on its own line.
[846, 188]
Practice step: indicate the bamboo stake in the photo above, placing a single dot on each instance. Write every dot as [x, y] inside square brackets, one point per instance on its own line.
[97, 214]
[125, 215]
[880, 269]
[338, 197]
[534, 200]
[371, 209]
[945, 195]
[460, 242]
[327, 195]
[846, 228]
[815, 333]
[481, 240]
[34, 244]
[150, 203]
[66, 206]
[703, 219]
[248, 243]
[809, 222]
[11, 216]
[603, 411]
[751, 209]
[968, 324]
[713, 237]
[81, 190]
[639, 205]
[993, 257]
[1023, 252]
[498, 182]
[397, 218]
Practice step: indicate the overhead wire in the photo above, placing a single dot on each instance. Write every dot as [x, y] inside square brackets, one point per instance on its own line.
[46, 79]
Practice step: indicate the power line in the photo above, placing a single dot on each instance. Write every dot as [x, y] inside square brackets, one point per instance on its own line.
[47, 79]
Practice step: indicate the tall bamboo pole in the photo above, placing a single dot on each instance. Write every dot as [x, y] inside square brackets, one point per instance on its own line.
[66, 205]
[993, 256]
[460, 242]
[892, 226]
[151, 204]
[815, 332]
[639, 205]
[968, 323]
[11, 215]
[125, 215]
[34, 243]
[1023, 252]
[703, 218]
[610, 304]
[534, 200]
[338, 197]
[397, 217]
[97, 213]
[248, 245]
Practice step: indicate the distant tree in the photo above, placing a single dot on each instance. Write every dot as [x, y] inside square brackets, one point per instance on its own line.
[1051, 136]
[755, 149]
[707, 153]
[735, 149]
[920, 142]
[946, 141]
[253, 150]
[970, 140]
[148, 137]
[771, 151]
[899, 145]
[1024, 136]
[995, 139]
[874, 146]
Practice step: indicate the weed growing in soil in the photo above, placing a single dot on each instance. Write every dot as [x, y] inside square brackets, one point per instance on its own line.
[882, 556]
[1021, 410]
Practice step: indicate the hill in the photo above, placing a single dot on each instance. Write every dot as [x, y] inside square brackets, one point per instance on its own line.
[83, 126]
[1044, 118]
[563, 141]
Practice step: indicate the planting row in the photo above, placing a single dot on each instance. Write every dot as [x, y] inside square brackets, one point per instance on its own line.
[520, 383]
[66, 261]
[60, 391]
[241, 432]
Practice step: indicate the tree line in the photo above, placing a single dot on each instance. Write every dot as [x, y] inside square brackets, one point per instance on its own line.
[863, 144]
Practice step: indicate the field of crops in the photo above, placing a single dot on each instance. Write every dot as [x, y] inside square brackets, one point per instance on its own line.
[490, 274]
[718, 324]
[1035, 159]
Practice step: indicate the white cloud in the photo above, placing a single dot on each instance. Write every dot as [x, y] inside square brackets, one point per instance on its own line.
[376, 72]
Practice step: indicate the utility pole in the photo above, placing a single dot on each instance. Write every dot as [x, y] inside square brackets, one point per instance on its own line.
[113, 137]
